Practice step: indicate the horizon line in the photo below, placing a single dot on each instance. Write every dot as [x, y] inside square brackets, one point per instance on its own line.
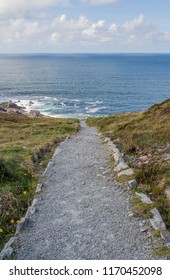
[82, 53]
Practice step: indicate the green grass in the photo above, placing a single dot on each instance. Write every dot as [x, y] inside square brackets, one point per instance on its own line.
[17, 186]
[137, 130]
[26, 146]
[140, 134]
[163, 252]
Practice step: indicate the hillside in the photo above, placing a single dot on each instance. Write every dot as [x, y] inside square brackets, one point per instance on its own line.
[144, 138]
[26, 145]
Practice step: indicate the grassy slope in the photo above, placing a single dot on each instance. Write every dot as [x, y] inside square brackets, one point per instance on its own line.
[144, 134]
[26, 146]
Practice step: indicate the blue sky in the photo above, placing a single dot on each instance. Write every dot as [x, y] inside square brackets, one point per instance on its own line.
[72, 26]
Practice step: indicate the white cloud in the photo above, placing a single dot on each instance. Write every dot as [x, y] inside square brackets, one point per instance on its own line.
[152, 35]
[93, 29]
[132, 38]
[79, 31]
[55, 37]
[21, 32]
[113, 27]
[18, 7]
[135, 23]
[67, 24]
[166, 36]
[21, 6]
[62, 18]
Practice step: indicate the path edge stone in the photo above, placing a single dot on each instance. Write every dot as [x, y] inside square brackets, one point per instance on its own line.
[156, 221]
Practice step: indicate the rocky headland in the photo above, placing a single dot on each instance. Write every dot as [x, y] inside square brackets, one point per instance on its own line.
[12, 108]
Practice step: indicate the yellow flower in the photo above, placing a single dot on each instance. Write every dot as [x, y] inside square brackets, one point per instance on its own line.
[25, 193]
[25, 174]
[1, 230]
[18, 221]
[12, 221]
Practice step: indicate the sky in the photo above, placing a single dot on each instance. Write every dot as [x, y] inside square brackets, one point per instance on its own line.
[84, 26]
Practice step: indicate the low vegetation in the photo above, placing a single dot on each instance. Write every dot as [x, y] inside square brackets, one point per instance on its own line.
[144, 138]
[140, 208]
[26, 146]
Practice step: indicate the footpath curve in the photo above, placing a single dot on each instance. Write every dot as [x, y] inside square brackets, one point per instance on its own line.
[81, 212]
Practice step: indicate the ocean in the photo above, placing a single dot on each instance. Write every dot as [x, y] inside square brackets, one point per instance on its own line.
[83, 85]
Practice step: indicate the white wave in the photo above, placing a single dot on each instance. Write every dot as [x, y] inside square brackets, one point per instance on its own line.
[93, 110]
[58, 107]
[93, 103]
[24, 103]
[29, 104]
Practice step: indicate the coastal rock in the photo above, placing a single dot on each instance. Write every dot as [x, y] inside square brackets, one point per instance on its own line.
[12, 108]
[11, 105]
[31, 103]
[34, 114]
[2, 110]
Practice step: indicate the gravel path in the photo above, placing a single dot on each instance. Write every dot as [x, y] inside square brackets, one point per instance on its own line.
[82, 213]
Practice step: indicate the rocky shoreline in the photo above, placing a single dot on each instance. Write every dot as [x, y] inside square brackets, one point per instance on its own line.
[12, 108]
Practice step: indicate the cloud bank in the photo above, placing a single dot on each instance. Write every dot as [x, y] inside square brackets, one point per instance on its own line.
[62, 32]
[80, 29]
[20, 6]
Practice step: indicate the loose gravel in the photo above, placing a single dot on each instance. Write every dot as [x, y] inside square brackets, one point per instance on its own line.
[81, 212]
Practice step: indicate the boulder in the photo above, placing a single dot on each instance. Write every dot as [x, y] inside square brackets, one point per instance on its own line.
[12, 108]
[31, 103]
[2, 110]
[34, 114]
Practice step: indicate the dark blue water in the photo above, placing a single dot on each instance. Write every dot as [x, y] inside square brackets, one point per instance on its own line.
[85, 85]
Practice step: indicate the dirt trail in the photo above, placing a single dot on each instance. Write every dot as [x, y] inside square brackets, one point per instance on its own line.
[82, 213]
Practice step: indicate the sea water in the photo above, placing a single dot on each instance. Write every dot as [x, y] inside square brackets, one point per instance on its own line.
[83, 85]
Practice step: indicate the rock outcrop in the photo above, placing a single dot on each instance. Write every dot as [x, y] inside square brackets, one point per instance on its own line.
[12, 108]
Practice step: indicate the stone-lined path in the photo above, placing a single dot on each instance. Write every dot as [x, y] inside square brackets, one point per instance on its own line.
[82, 213]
